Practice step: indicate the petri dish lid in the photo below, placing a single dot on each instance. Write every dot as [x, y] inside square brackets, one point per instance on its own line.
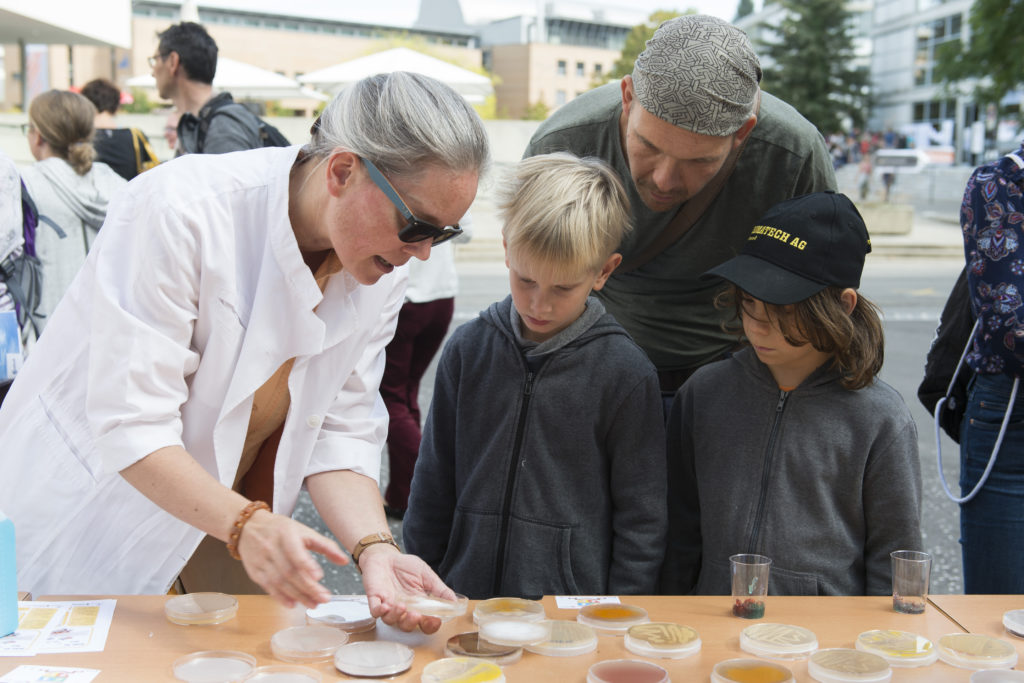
[626, 671]
[350, 613]
[612, 619]
[1013, 621]
[515, 632]
[567, 639]
[200, 609]
[662, 639]
[975, 651]
[750, 670]
[899, 648]
[307, 643]
[780, 641]
[213, 666]
[509, 608]
[471, 645]
[845, 665]
[432, 606]
[373, 658]
[284, 673]
[462, 670]
[997, 676]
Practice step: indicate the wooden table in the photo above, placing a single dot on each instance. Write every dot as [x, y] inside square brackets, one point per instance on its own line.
[142, 644]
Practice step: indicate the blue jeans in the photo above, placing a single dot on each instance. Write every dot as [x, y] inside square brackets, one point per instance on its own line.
[992, 523]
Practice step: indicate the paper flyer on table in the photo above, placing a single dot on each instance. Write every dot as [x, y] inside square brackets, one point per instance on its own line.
[578, 601]
[54, 627]
[27, 673]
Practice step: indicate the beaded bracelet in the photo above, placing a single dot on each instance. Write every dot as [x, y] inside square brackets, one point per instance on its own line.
[243, 517]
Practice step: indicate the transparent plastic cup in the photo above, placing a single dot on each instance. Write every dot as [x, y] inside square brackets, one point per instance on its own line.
[749, 584]
[910, 572]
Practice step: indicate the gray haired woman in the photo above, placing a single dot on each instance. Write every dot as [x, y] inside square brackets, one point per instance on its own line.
[223, 348]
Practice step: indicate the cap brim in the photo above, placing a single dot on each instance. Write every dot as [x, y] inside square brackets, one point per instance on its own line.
[766, 281]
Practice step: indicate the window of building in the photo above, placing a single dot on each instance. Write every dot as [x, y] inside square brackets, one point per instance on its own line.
[561, 67]
[597, 69]
[932, 37]
[580, 71]
[559, 98]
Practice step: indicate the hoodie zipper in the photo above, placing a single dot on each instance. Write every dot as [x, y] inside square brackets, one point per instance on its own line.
[762, 500]
[513, 469]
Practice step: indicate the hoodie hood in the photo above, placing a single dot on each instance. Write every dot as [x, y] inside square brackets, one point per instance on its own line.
[593, 322]
[85, 195]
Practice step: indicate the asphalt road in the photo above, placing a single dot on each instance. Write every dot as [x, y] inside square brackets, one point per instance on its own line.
[910, 291]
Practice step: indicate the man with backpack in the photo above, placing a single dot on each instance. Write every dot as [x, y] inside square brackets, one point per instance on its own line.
[184, 67]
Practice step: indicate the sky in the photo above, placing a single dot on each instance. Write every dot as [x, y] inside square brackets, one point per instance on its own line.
[726, 9]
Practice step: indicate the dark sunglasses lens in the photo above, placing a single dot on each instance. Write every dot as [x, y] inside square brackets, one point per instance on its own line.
[447, 235]
[417, 231]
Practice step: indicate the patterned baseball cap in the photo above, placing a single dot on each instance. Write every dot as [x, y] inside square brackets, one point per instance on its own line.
[699, 73]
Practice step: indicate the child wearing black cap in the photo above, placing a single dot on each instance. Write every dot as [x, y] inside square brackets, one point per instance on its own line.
[792, 447]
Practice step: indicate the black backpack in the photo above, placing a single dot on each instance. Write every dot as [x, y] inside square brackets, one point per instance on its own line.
[269, 135]
[943, 360]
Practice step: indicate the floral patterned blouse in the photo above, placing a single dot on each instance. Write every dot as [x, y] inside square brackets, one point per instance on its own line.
[992, 219]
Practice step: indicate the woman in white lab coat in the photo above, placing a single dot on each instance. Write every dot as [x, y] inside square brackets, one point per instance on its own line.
[230, 320]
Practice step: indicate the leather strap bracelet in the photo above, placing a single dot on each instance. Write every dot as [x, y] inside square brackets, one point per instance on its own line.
[366, 541]
[243, 517]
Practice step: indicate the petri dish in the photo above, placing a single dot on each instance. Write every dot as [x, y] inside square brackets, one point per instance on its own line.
[515, 632]
[900, 648]
[284, 673]
[1013, 622]
[975, 651]
[462, 670]
[509, 608]
[213, 666]
[612, 619]
[567, 639]
[778, 641]
[750, 671]
[307, 643]
[200, 609]
[350, 613]
[662, 639]
[626, 671]
[997, 676]
[845, 665]
[432, 606]
[471, 645]
[373, 658]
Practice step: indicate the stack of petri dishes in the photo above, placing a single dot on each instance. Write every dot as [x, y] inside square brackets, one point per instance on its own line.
[900, 648]
[307, 643]
[200, 609]
[845, 665]
[778, 641]
[612, 619]
[662, 640]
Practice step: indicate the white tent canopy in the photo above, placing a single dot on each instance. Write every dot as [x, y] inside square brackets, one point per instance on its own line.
[473, 86]
[244, 81]
[71, 22]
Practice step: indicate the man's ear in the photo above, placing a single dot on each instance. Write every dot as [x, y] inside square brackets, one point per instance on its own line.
[173, 62]
[628, 94]
[606, 270]
[740, 135]
[341, 166]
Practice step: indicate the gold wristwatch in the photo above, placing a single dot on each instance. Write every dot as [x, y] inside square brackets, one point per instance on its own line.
[366, 541]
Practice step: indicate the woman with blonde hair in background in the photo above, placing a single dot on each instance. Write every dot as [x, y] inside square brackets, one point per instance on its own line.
[70, 190]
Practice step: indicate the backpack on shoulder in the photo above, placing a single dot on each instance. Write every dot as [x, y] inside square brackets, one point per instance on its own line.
[270, 136]
[22, 272]
[145, 157]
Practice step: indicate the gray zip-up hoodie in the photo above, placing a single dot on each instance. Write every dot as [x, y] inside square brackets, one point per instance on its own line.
[823, 480]
[542, 481]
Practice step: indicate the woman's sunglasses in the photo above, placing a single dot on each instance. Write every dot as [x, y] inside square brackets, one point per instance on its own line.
[415, 230]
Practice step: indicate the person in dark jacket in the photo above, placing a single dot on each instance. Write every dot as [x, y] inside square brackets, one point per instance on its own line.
[542, 464]
[793, 448]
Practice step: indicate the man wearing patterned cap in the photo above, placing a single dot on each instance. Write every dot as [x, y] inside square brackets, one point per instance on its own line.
[708, 153]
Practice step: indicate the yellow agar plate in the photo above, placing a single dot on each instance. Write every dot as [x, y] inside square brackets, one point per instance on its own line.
[461, 670]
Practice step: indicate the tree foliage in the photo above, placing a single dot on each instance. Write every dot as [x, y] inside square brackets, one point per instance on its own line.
[636, 41]
[744, 8]
[992, 55]
[809, 64]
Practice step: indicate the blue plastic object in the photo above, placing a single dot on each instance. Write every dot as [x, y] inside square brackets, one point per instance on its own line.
[8, 579]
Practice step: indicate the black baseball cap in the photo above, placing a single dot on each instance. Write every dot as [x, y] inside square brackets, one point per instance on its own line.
[800, 247]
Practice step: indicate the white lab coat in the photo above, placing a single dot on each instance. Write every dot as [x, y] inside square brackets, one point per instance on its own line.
[194, 294]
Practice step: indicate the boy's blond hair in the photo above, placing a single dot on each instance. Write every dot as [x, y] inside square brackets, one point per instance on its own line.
[567, 212]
